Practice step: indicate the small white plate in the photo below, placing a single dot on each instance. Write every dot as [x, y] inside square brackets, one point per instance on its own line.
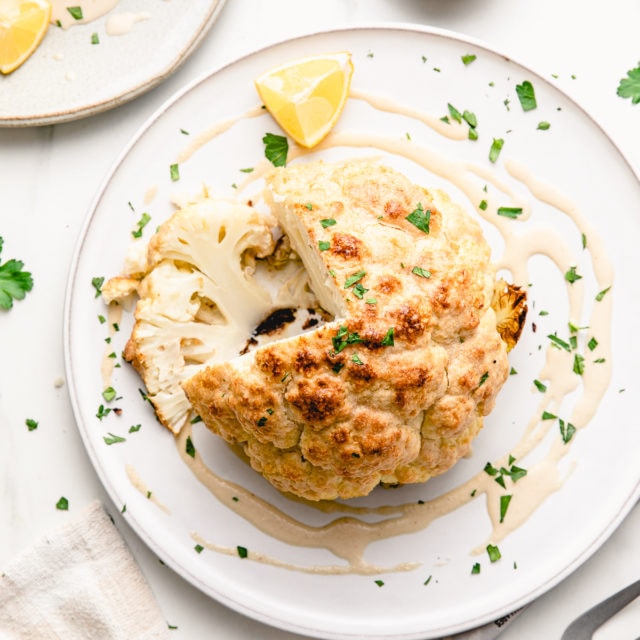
[68, 77]
[600, 476]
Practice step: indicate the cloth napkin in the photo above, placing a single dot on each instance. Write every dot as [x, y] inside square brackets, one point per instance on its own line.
[79, 583]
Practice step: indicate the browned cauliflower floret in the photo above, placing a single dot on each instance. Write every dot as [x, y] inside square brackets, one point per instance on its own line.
[396, 387]
[199, 297]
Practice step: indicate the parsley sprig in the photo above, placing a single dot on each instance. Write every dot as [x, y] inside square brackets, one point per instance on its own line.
[14, 281]
[629, 87]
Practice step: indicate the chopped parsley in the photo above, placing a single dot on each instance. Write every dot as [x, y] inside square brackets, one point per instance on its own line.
[97, 283]
[526, 95]
[76, 12]
[242, 551]
[483, 205]
[327, 222]
[546, 415]
[112, 438]
[31, 424]
[567, 430]
[496, 148]
[468, 58]
[276, 149]
[134, 428]
[145, 218]
[174, 172]
[323, 245]
[62, 504]
[419, 271]
[572, 275]
[388, 341]
[601, 294]
[475, 570]
[540, 386]
[353, 279]
[95, 38]
[343, 337]
[543, 125]
[483, 378]
[578, 364]
[109, 394]
[359, 291]
[504, 505]
[420, 218]
[493, 552]
[356, 359]
[510, 212]
[190, 448]
[198, 548]
[14, 282]
[379, 582]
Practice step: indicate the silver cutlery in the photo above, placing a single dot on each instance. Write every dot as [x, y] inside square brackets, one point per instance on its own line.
[583, 627]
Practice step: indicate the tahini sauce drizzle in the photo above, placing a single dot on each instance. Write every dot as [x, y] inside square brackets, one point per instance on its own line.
[348, 537]
[91, 10]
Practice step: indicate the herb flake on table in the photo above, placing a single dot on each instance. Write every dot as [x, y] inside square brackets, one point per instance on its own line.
[62, 504]
[629, 87]
[276, 148]
[15, 283]
[32, 424]
[526, 95]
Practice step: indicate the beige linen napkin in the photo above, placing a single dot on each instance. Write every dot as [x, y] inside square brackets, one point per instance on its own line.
[79, 583]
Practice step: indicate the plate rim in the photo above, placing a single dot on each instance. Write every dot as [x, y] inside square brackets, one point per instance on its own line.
[130, 518]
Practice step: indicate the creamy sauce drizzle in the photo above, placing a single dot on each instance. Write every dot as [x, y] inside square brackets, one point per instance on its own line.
[120, 24]
[348, 537]
[139, 485]
[91, 10]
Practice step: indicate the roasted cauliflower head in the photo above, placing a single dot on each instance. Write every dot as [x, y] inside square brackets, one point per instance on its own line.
[393, 388]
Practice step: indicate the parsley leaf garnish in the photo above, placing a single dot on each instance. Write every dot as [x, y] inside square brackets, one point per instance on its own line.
[76, 12]
[629, 87]
[420, 218]
[510, 212]
[496, 148]
[526, 95]
[14, 282]
[276, 149]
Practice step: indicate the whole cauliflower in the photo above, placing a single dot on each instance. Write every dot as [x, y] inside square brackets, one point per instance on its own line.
[395, 388]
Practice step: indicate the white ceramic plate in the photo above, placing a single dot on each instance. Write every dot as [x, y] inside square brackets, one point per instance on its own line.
[600, 478]
[68, 77]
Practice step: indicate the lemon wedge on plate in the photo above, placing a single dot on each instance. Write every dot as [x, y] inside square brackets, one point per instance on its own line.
[307, 96]
[23, 24]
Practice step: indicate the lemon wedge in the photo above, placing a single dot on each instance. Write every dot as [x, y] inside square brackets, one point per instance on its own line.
[23, 24]
[307, 96]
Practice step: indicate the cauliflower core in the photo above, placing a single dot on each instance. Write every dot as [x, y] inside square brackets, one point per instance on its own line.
[395, 387]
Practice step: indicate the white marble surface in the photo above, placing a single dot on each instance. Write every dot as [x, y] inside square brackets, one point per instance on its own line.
[49, 175]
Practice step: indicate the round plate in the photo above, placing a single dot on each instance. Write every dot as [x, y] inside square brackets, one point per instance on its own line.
[596, 482]
[68, 77]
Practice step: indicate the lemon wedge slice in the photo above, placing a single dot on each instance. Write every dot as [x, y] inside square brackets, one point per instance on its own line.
[23, 24]
[307, 96]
